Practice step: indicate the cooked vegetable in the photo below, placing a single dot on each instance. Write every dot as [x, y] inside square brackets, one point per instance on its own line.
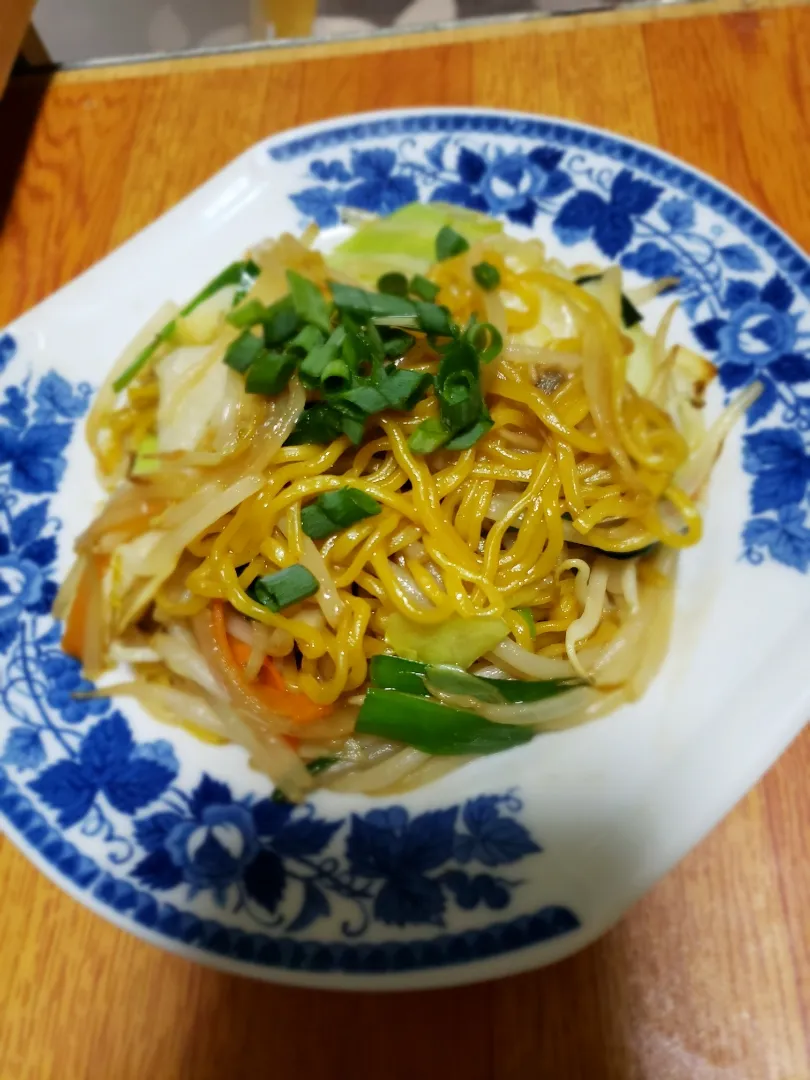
[308, 301]
[449, 243]
[433, 728]
[413, 677]
[374, 512]
[457, 641]
[487, 276]
[241, 353]
[336, 510]
[288, 586]
[269, 373]
[240, 274]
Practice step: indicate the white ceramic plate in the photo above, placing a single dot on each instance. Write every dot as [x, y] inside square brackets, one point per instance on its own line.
[517, 859]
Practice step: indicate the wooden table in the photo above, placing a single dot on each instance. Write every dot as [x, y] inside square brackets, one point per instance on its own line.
[708, 978]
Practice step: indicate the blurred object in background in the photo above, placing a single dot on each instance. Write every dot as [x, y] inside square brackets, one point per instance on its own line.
[14, 16]
[289, 18]
[74, 31]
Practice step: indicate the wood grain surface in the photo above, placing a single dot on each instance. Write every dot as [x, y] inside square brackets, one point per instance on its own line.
[708, 978]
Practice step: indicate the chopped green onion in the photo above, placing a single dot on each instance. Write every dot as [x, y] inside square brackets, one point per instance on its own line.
[368, 305]
[242, 352]
[631, 316]
[412, 677]
[449, 243]
[316, 524]
[434, 728]
[270, 373]
[305, 341]
[459, 397]
[247, 314]
[394, 284]
[144, 356]
[429, 436]
[353, 427]
[288, 586]
[487, 276]
[363, 344]
[242, 274]
[397, 345]
[347, 506]
[486, 340]
[465, 439]
[318, 423]
[458, 387]
[366, 398]
[433, 319]
[446, 679]
[403, 388]
[308, 301]
[527, 615]
[280, 322]
[336, 378]
[423, 288]
[394, 673]
[336, 510]
[313, 366]
[238, 273]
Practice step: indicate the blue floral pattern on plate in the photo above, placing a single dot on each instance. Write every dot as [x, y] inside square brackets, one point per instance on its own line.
[122, 815]
[283, 866]
[750, 326]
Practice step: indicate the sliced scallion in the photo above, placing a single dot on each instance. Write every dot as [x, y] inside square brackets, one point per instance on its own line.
[412, 677]
[244, 351]
[367, 398]
[319, 423]
[432, 727]
[423, 288]
[313, 366]
[449, 243]
[242, 274]
[397, 345]
[280, 322]
[270, 373]
[465, 439]
[394, 284]
[307, 339]
[429, 436]
[308, 301]
[487, 276]
[368, 305]
[288, 586]
[486, 340]
[433, 319]
[336, 510]
[336, 377]
[247, 314]
[403, 388]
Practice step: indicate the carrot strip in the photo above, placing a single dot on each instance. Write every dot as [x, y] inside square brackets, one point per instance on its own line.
[76, 623]
[270, 690]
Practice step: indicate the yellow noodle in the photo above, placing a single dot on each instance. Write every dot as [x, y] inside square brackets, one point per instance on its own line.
[576, 462]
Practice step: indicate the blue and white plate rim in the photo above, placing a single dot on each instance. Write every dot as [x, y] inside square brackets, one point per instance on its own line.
[330, 134]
